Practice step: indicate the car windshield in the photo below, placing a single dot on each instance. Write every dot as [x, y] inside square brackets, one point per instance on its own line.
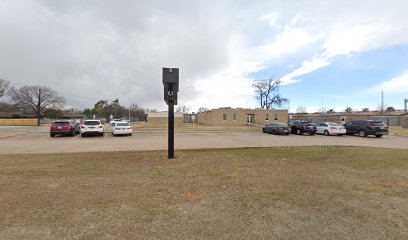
[122, 124]
[91, 123]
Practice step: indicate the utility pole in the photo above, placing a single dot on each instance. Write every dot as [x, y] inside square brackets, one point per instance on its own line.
[322, 110]
[129, 105]
[382, 102]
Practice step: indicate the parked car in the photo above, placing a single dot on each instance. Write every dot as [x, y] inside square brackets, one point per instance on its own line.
[301, 127]
[64, 127]
[92, 127]
[329, 128]
[277, 128]
[121, 128]
[367, 127]
[116, 120]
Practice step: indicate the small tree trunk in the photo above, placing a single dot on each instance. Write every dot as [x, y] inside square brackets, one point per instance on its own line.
[39, 107]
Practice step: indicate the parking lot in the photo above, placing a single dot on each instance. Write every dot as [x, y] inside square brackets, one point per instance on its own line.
[15, 140]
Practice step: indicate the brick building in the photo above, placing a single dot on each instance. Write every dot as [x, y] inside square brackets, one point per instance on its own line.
[241, 116]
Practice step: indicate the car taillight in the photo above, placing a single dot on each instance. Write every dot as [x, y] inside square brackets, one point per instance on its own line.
[101, 126]
[305, 126]
[290, 128]
[371, 127]
[82, 126]
[129, 128]
[333, 128]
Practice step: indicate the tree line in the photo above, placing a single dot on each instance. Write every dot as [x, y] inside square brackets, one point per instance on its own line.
[44, 102]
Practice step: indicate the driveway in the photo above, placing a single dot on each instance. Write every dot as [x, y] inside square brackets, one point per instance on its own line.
[37, 140]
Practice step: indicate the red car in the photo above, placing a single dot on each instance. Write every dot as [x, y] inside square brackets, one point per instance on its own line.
[64, 127]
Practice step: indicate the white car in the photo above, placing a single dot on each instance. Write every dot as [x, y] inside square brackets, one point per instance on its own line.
[121, 128]
[329, 128]
[92, 127]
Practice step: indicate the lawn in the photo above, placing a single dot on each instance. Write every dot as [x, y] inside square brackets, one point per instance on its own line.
[252, 193]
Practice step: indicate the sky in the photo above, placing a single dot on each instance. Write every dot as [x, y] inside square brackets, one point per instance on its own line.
[334, 54]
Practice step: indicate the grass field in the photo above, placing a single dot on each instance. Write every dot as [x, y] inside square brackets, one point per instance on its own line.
[254, 193]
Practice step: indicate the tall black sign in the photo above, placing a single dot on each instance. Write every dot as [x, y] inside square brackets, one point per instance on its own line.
[171, 87]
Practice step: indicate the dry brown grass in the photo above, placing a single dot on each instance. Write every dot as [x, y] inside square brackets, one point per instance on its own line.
[398, 131]
[266, 193]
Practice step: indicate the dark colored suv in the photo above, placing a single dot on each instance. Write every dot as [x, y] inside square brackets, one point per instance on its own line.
[300, 127]
[65, 127]
[366, 127]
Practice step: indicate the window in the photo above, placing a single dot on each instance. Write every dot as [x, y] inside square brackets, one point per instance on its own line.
[234, 117]
[224, 116]
[267, 117]
[276, 116]
[92, 123]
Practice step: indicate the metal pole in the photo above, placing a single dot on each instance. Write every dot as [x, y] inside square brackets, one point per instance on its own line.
[129, 106]
[171, 132]
[382, 102]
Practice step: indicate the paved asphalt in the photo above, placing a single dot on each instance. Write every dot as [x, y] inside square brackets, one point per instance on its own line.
[14, 140]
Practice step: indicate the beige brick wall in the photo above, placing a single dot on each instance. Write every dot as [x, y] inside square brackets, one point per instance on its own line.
[215, 117]
[18, 122]
[164, 121]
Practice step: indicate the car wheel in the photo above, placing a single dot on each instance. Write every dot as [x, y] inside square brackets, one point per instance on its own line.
[340, 135]
[378, 136]
[311, 134]
[52, 135]
[326, 133]
[273, 131]
[263, 130]
[298, 132]
[101, 134]
[72, 133]
[362, 133]
[130, 134]
[82, 134]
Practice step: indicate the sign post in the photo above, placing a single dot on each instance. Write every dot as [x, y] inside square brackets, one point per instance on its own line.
[171, 86]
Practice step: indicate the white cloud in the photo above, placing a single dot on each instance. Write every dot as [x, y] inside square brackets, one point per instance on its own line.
[307, 67]
[396, 85]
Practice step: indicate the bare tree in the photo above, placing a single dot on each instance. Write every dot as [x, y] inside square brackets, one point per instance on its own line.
[137, 113]
[182, 109]
[202, 109]
[267, 93]
[4, 85]
[348, 110]
[36, 99]
[301, 109]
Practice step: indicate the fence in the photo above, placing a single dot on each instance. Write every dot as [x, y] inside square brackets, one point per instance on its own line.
[404, 121]
[18, 122]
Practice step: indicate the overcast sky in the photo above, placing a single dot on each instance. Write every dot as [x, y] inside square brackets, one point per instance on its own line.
[342, 52]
